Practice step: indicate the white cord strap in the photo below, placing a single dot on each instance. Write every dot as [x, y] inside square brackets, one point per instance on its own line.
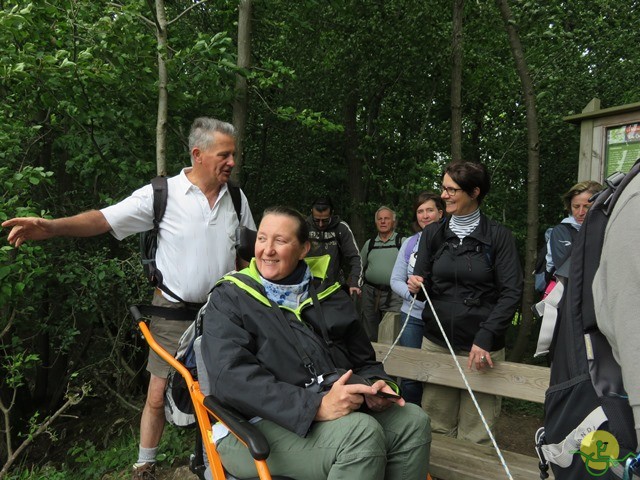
[404, 325]
[473, 397]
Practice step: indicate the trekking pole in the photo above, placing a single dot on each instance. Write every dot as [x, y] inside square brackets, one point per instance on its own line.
[404, 325]
[543, 464]
[632, 467]
[473, 397]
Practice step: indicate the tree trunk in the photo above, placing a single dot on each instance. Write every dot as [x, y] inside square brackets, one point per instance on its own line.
[533, 174]
[456, 81]
[354, 163]
[161, 124]
[240, 104]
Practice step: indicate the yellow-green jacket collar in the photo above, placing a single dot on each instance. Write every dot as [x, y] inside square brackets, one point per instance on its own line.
[317, 265]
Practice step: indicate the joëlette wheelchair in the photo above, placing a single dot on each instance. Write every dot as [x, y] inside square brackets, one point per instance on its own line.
[208, 410]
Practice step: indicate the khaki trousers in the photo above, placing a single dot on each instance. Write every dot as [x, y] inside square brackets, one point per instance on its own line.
[452, 411]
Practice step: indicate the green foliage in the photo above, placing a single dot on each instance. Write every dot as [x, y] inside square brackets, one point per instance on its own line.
[78, 82]
[14, 367]
[89, 460]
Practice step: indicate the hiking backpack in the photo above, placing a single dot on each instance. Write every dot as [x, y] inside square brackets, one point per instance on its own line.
[149, 239]
[541, 276]
[585, 392]
[178, 407]
[372, 244]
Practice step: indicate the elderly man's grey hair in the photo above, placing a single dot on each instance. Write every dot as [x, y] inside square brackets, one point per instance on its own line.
[384, 207]
[202, 130]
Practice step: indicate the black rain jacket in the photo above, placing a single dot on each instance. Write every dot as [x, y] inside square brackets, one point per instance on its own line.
[252, 364]
[475, 286]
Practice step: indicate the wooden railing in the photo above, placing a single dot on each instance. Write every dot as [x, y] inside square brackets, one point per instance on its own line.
[453, 459]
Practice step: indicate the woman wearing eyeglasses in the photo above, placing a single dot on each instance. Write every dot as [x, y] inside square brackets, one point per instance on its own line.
[470, 268]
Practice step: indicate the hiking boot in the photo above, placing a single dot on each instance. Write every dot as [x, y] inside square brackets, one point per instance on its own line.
[146, 471]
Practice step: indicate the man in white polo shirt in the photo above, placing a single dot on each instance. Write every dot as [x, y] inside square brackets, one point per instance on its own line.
[195, 248]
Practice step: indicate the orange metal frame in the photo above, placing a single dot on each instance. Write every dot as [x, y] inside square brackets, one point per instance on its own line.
[202, 413]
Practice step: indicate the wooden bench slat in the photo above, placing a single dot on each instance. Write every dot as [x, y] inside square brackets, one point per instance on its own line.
[460, 460]
[453, 459]
[516, 380]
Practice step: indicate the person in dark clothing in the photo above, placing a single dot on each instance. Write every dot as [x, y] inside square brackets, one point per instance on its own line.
[331, 236]
[577, 203]
[285, 349]
[470, 267]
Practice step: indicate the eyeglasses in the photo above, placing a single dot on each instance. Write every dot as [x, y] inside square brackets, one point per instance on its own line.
[451, 191]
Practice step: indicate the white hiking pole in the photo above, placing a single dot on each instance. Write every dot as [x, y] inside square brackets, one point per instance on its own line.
[404, 325]
[473, 397]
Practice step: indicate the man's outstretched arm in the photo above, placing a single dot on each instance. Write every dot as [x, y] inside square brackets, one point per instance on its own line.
[86, 224]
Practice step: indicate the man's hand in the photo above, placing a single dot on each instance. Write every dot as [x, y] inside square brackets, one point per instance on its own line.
[28, 228]
[354, 291]
[86, 224]
[343, 399]
[378, 404]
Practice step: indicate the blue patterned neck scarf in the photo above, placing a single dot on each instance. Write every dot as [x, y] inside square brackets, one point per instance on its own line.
[290, 296]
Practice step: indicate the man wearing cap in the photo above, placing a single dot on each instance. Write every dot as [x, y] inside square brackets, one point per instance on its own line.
[331, 236]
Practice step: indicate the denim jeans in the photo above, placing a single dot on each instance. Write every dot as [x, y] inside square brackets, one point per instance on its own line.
[412, 337]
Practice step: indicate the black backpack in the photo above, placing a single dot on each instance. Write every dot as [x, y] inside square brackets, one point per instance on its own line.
[585, 392]
[372, 244]
[149, 239]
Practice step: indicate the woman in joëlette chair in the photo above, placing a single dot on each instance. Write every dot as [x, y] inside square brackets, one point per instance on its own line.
[288, 351]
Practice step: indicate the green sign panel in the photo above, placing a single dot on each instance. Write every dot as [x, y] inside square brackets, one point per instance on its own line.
[623, 148]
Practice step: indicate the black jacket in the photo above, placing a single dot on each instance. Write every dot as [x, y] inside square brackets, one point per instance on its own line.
[253, 365]
[475, 286]
[337, 241]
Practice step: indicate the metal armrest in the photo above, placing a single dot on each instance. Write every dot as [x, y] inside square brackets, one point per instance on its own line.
[246, 432]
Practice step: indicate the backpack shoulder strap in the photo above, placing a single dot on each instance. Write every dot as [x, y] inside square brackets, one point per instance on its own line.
[160, 188]
[411, 243]
[160, 194]
[372, 243]
[236, 198]
[488, 249]
[436, 245]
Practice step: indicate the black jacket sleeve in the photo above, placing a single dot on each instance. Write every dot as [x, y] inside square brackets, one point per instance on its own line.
[560, 241]
[508, 284]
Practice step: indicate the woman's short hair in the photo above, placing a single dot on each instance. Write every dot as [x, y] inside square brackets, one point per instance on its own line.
[470, 175]
[302, 230]
[580, 187]
[423, 197]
